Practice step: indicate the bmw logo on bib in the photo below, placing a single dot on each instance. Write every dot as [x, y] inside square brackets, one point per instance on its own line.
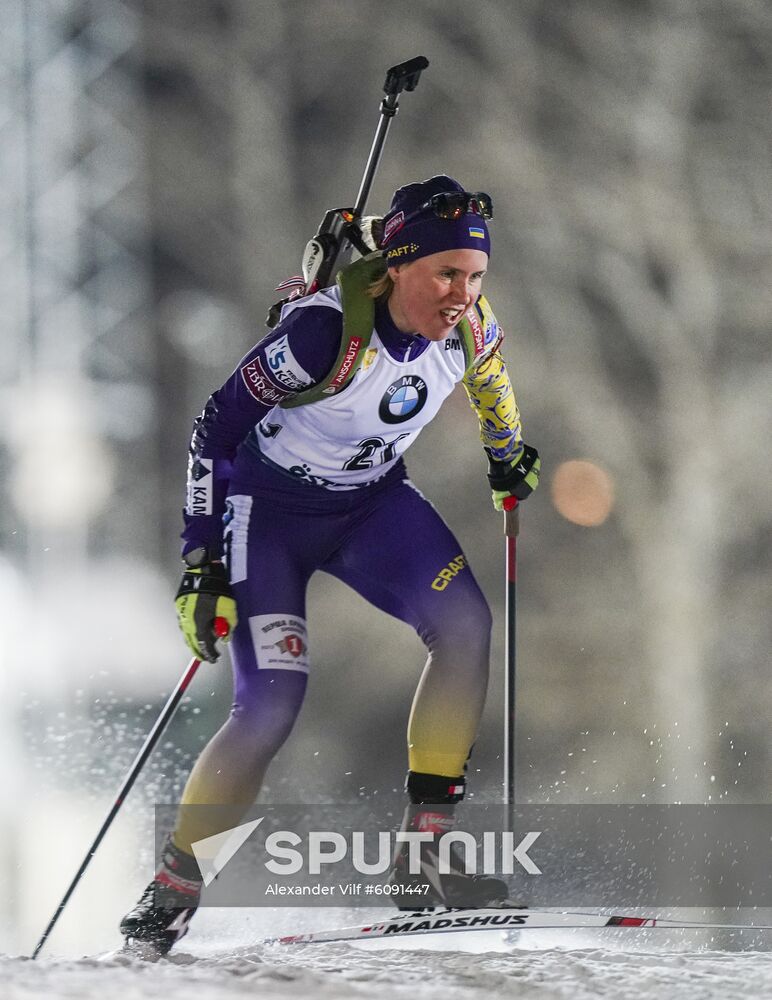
[403, 399]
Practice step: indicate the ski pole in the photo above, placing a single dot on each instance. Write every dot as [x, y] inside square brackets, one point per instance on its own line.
[153, 736]
[511, 530]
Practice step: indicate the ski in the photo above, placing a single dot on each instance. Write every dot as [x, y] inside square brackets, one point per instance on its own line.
[499, 919]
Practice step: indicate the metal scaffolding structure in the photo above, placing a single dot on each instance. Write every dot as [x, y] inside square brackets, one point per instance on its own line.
[76, 383]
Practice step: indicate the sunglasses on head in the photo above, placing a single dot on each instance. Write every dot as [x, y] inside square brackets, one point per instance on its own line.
[456, 204]
[445, 205]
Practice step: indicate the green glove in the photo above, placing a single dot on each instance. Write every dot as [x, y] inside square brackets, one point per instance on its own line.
[205, 606]
[514, 479]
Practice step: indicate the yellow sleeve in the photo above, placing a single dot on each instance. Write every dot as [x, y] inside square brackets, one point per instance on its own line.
[492, 398]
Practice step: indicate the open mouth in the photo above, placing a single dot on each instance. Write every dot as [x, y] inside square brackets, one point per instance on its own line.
[451, 316]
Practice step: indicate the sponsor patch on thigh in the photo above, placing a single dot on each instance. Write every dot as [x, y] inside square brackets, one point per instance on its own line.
[280, 641]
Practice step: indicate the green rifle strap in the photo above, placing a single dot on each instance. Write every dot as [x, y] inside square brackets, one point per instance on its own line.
[358, 319]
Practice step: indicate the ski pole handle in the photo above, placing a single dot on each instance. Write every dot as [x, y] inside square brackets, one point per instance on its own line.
[511, 517]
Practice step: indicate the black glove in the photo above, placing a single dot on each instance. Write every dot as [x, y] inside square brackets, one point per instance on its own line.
[514, 479]
[204, 596]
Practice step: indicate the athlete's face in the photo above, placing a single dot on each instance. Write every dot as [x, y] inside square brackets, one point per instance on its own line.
[431, 294]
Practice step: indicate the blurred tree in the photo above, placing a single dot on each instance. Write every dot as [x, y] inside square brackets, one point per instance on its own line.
[644, 261]
[626, 147]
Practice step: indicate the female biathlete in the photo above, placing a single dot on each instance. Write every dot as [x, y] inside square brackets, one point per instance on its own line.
[299, 456]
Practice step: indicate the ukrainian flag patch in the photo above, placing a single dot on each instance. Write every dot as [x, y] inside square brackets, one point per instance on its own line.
[477, 231]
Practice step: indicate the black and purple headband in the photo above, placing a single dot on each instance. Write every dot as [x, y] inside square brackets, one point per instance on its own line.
[432, 216]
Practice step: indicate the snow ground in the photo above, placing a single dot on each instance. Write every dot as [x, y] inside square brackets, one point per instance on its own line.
[214, 962]
[339, 970]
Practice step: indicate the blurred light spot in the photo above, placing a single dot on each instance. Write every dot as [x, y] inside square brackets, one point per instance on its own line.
[583, 493]
[206, 328]
[63, 471]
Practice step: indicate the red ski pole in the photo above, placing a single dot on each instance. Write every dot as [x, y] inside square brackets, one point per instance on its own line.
[511, 530]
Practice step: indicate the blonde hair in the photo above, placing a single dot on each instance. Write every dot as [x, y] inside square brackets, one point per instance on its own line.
[381, 288]
[371, 227]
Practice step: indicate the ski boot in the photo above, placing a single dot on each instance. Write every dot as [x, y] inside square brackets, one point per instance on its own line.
[163, 913]
[432, 804]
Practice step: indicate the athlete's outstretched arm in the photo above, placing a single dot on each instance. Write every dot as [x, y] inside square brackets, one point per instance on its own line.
[513, 465]
[492, 398]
